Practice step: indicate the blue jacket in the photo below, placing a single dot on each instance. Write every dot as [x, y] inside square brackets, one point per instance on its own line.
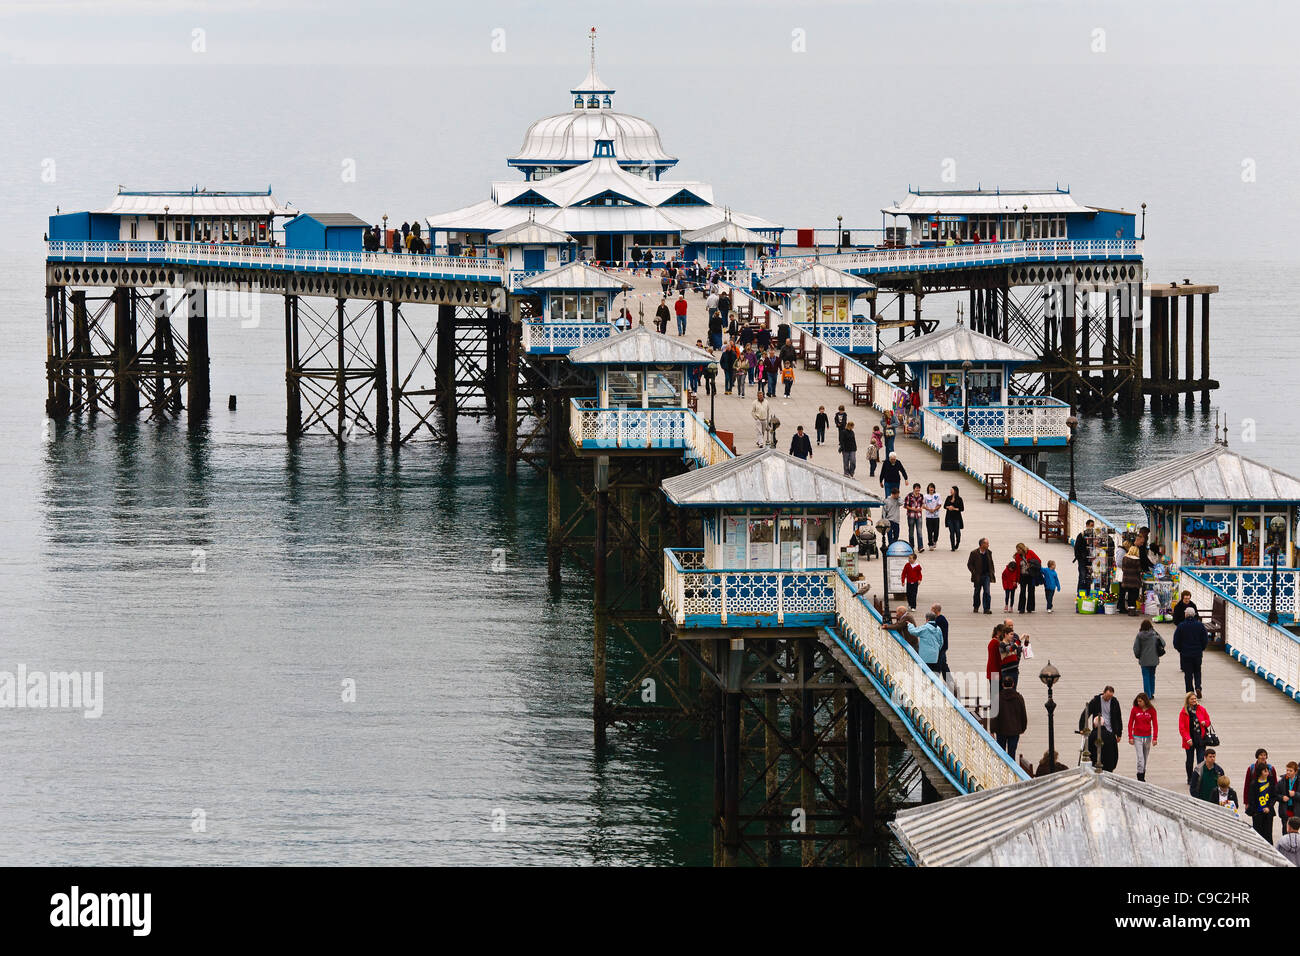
[929, 641]
[1050, 581]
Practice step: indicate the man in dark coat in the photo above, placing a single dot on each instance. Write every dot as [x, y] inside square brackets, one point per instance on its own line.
[1190, 641]
[800, 445]
[942, 623]
[1183, 606]
[981, 567]
[1105, 727]
[892, 473]
[1082, 542]
[1011, 719]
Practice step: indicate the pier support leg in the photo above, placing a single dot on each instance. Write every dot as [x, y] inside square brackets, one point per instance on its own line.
[852, 770]
[1205, 348]
[293, 370]
[340, 373]
[381, 374]
[1138, 403]
[807, 751]
[1188, 363]
[1171, 397]
[81, 335]
[446, 370]
[395, 386]
[199, 356]
[866, 780]
[731, 771]
[126, 387]
[771, 760]
[510, 413]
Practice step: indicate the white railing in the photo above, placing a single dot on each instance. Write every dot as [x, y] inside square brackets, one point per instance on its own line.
[275, 257]
[1031, 417]
[593, 426]
[760, 596]
[559, 337]
[1253, 587]
[843, 336]
[1271, 651]
[960, 256]
[951, 731]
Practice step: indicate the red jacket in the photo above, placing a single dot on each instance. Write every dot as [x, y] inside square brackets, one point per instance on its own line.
[1010, 578]
[912, 573]
[1143, 723]
[680, 306]
[1184, 725]
[995, 660]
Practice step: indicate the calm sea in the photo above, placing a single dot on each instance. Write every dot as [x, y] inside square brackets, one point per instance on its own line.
[234, 591]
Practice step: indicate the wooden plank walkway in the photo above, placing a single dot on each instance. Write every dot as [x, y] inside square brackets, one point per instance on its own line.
[1090, 651]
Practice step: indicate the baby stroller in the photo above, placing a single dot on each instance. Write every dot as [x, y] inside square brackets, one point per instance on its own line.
[865, 538]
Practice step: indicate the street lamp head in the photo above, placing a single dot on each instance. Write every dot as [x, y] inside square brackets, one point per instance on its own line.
[1277, 524]
[1072, 423]
[882, 526]
[711, 371]
[1049, 675]
[966, 365]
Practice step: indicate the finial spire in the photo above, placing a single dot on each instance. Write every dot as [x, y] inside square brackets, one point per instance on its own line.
[593, 51]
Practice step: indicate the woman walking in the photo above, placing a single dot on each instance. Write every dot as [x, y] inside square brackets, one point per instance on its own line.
[933, 505]
[1147, 648]
[912, 579]
[1030, 567]
[887, 424]
[849, 449]
[1192, 723]
[953, 506]
[1143, 729]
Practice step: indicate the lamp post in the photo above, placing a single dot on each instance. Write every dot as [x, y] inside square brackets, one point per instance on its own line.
[1025, 217]
[882, 528]
[383, 240]
[1277, 528]
[1049, 676]
[839, 234]
[1144, 221]
[167, 236]
[711, 373]
[723, 243]
[626, 314]
[1072, 423]
[965, 399]
[817, 308]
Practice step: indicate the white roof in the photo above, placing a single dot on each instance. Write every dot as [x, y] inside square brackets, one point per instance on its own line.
[529, 233]
[639, 346]
[956, 344]
[1210, 474]
[592, 84]
[1079, 818]
[733, 232]
[234, 204]
[985, 202]
[767, 477]
[576, 275]
[574, 186]
[571, 138]
[817, 274]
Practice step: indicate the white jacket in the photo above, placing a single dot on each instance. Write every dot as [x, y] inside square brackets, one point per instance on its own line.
[761, 411]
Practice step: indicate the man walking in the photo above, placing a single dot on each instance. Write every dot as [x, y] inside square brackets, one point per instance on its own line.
[1205, 778]
[892, 474]
[800, 445]
[892, 511]
[1190, 641]
[841, 419]
[914, 503]
[680, 307]
[980, 565]
[761, 412]
[849, 450]
[661, 316]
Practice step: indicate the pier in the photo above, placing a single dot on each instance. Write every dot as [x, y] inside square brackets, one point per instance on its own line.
[509, 314]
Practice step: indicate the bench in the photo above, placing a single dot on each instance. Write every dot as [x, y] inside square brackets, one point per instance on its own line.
[997, 485]
[1217, 625]
[812, 355]
[1053, 524]
[862, 393]
[835, 374]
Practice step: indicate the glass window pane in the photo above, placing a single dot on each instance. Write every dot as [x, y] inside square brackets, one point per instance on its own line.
[733, 542]
[1248, 541]
[762, 535]
[792, 543]
[663, 389]
[624, 388]
[817, 532]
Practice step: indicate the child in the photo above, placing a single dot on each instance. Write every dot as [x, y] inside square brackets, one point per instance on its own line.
[1051, 584]
[1010, 581]
[820, 424]
[912, 579]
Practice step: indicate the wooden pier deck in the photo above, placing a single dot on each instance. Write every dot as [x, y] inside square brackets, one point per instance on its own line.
[1090, 651]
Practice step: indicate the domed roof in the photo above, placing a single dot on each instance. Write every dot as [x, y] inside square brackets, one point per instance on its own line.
[568, 138]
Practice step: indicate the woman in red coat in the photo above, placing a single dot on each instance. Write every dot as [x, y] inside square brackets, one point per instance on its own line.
[1193, 722]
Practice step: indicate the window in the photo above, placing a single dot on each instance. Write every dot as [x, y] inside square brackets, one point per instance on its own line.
[792, 554]
[1204, 541]
[623, 388]
[664, 388]
[133, 228]
[762, 538]
[733, 542]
